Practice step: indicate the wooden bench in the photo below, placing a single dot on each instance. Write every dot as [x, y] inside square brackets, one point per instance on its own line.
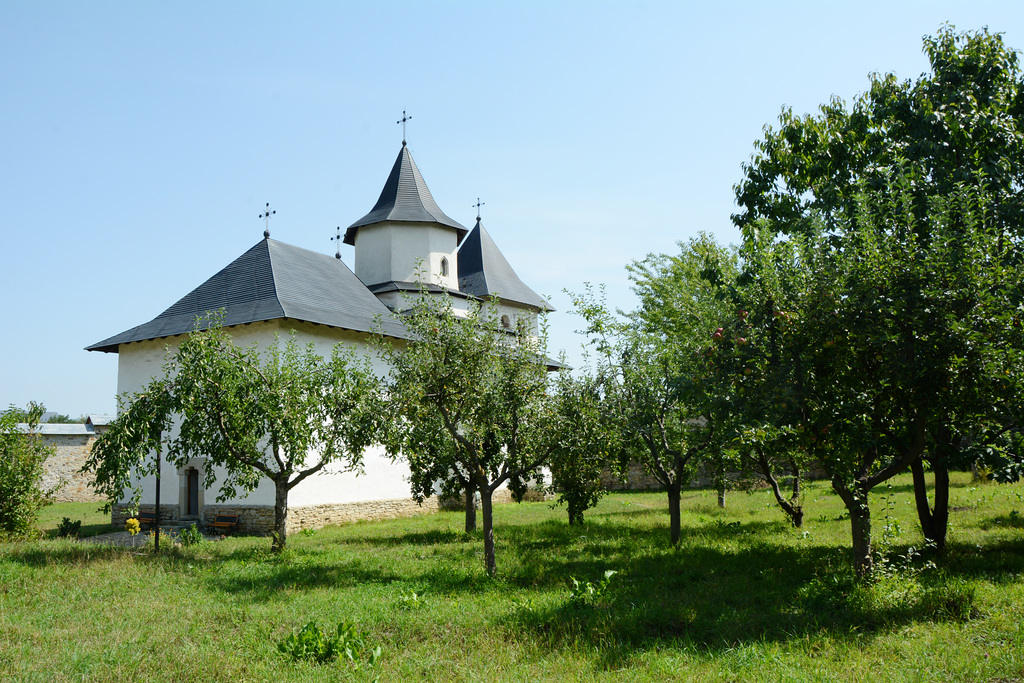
[146, 519]
[228, 523]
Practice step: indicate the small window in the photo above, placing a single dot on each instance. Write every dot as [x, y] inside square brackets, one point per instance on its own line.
[444, 267]
[505, 322]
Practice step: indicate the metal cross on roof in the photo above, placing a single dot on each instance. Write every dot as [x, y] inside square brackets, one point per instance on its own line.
[402, 121]
[337, 240]
[267, 213]
[478, 205]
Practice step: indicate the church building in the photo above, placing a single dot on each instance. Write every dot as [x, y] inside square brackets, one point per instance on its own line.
[279, 289]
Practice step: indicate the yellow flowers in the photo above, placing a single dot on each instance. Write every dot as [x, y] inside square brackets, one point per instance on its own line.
[132, 526]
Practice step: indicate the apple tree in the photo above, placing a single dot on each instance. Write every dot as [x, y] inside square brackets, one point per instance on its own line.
[908, 143]
[283, 413]
[470, 398]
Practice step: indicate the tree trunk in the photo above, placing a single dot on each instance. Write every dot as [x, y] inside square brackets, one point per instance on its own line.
[280, 534]
[860, 526]
[796, 483]
[575, 517]
[934, 521]
[720, 483]
[790, 507]
[860, 529]
[673, 511]
[485, 506]
[470, 506]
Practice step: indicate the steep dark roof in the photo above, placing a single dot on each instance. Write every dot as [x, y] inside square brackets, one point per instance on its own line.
[405, 198]
[270, 281]
[484, 271]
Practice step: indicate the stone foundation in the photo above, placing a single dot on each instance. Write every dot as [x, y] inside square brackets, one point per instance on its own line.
[168, 513]
[258, 520]
[504, 495]
[316, 516]
[253, 520]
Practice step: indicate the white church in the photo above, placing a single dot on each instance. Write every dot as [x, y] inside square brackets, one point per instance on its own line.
[279, 289]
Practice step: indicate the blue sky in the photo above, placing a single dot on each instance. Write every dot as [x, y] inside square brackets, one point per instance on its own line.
[141, 140]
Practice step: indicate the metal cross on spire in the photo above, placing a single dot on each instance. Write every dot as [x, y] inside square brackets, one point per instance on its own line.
[402, 121]
[337, 240]
[267, 213]
[478, 205]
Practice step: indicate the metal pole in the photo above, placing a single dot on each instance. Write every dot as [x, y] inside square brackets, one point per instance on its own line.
[156, 539]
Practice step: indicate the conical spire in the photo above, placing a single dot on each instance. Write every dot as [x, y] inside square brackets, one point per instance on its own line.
[405, 198]
[484, 271]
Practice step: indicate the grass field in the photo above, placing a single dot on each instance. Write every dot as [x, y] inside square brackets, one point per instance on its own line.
[744, 597]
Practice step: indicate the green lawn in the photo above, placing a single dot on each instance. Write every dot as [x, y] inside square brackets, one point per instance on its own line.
[743, 597]
[93, 521]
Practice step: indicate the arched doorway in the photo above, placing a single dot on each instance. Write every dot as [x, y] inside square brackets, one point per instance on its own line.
[190, 490]
[192, 497]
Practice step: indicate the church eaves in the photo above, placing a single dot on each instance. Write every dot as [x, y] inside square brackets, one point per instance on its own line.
[271, 281]
[484, 271]
[405, 198]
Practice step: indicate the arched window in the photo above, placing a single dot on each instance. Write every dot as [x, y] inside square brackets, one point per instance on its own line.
[505, 322]
[444, 267]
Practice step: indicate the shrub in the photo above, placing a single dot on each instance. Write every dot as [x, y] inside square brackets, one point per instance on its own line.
[21, 471]
[313, 644]
[69, 529]
[588, 592]
[412, 601]
[190, 536]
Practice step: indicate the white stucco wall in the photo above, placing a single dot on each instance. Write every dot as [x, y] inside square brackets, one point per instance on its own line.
[140, 362]
[399, 251]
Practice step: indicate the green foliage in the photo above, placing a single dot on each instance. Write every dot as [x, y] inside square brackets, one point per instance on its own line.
[582, 444]
[901, 331]
[61, 418]
[960, 124]
[190, 536]
[742, 592]
[412, 600]
[589, 593]
[653, 365]
[953, 599]
[69, 529]
[166, 538]
[470, 398]
[283, 413]
[313, 644]
[22, 455]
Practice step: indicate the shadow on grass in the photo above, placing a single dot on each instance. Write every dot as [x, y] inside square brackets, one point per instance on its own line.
[414, 538]
[63, 552]
[716, 599]
[1014, 520]
[88, 530]
[273, 581]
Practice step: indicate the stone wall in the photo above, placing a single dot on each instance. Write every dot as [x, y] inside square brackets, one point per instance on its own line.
[316, 516]
[258, 520]
[639, 480]
[62, 468]
[253, 520]
[168, 513]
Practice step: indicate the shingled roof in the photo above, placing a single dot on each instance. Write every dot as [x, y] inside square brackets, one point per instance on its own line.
[405, 198]
[272, 280]
[484, 271]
